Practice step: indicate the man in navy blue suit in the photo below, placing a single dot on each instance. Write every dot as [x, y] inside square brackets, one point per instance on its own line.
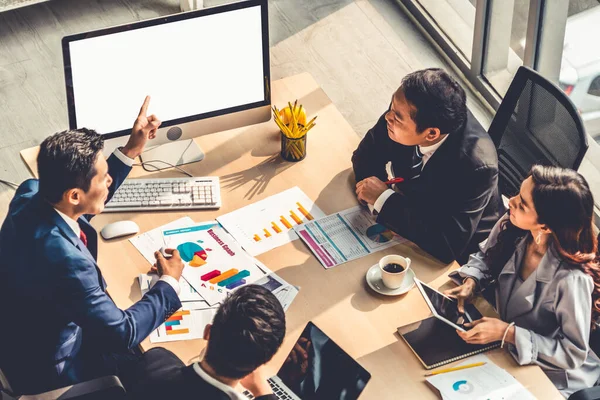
[59, 326]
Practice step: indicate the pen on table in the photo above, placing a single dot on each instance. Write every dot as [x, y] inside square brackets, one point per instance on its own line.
[442, 371]
[395, 180]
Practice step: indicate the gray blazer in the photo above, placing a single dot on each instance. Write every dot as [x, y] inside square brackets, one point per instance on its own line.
[551, 311]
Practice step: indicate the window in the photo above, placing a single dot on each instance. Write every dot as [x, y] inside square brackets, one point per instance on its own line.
[556, 38]
[594, 89]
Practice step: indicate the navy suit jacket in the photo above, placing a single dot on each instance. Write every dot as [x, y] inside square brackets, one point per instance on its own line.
[453, 205]
[52, 292]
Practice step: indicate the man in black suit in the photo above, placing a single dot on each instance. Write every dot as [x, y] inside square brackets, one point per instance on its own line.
[448, 200]
[247, 331]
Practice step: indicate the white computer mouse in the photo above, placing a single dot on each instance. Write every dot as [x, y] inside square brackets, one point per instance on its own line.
[118, 229]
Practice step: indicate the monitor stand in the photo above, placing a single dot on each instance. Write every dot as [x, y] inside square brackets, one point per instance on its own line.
[176, 153]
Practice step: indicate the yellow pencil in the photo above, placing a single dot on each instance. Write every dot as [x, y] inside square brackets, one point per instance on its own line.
[443, 371]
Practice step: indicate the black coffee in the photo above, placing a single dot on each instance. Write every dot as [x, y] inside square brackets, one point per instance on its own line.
[393, 268]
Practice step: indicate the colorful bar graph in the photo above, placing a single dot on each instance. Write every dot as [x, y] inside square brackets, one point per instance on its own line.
[237, 277]
[236, 284]
[223, 276]
[178, 331]
[285, 222]
[210, 275]
[276, 228]
[267, 234]
[295, 217]
[304, 212]
[180, 313]
[256, 238]
[174, 321]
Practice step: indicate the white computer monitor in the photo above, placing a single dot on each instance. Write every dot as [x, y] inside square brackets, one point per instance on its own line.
[205, 70]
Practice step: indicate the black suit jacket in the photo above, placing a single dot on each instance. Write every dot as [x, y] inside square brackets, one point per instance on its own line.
[162, 375]
[455, 202]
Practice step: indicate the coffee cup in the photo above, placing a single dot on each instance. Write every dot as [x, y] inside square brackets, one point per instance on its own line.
[393, 270]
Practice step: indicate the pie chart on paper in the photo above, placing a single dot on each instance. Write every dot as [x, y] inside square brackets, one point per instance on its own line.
[379, 233]
[193, 254]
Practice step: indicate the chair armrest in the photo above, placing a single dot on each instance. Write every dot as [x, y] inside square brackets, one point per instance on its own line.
[592, 393]
[106, 387]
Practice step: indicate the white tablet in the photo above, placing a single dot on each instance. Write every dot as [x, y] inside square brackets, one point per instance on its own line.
[445, 308]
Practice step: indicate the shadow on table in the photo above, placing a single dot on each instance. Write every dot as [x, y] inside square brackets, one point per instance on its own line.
[395, 362]
[260, 176]
[347, 279]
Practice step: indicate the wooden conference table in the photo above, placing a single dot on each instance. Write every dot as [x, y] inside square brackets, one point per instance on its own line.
[337, 300]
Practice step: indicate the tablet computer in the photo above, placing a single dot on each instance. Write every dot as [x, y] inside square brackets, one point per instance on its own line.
[446, 309]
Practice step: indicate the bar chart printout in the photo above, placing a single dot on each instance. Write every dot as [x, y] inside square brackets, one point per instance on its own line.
[346, 236]
[183, 325]
[270, 223]
[214, 263]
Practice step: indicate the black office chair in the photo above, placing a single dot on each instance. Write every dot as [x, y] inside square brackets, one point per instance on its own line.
[107, 387]
[594, 392]
[536, 123]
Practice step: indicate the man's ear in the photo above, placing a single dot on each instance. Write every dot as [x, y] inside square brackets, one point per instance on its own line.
[72, 196]
[432, 134]
[207, 331]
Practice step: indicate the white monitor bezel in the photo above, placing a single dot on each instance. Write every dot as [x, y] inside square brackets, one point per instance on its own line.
[240, 115]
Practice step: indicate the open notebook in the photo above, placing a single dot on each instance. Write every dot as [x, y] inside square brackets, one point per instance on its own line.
[436, 343]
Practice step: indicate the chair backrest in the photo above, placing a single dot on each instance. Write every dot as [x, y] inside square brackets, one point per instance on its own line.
[536, 123]
[4, 385]
[595, 341]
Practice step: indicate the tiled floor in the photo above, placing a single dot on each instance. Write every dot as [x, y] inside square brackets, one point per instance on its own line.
[358, 51]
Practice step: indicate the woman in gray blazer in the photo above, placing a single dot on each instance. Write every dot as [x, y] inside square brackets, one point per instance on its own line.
[541, 266]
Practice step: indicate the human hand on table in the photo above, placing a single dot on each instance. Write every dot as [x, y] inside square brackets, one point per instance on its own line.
[487, 330]
[368, 190]
[144, 128]
[172, 266]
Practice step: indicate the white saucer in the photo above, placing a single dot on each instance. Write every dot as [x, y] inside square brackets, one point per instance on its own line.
[374, 281]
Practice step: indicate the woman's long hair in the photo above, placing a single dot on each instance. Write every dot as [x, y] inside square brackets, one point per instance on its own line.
[564, 203]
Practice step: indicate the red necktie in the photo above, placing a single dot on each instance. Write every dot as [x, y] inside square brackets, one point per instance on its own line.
[83, 237]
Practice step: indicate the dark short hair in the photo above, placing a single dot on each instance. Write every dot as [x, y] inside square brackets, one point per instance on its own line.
[439, 100]
[66, 161]
[247, 331]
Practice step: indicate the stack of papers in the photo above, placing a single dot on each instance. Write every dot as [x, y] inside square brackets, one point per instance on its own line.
[346, 236]
[487, 382]
[215, 265]
[270, 223]
[151, 241]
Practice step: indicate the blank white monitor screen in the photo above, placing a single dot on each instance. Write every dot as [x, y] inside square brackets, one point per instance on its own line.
[188, 67]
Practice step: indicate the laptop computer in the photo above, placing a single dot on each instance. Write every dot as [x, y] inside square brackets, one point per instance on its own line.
[318, 369]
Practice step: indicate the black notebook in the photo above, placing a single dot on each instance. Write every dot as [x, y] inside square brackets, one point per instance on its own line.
[436, 343]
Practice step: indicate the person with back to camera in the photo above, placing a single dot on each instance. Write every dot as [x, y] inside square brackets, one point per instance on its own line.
[542, 267]
[246, 332]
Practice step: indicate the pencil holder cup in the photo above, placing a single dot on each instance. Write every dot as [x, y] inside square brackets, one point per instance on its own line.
[293, 149]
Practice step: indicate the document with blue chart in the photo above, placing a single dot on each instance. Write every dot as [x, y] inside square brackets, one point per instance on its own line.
[215, 264]
[346, 236]
[486, 382]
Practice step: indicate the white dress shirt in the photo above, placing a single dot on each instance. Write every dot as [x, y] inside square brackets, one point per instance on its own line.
[74, 225]
[229, 391]
[427, 152]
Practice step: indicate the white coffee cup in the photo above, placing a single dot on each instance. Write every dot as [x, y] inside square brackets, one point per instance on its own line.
[393, 280]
